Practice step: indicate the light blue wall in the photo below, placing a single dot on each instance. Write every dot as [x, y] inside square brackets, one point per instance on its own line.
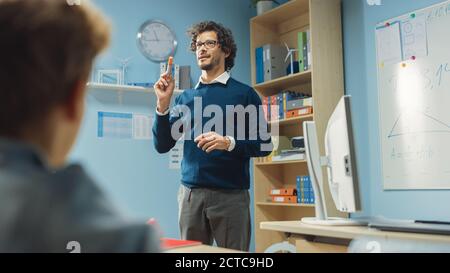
[138, 178]
[131, 171]
[355, 85]
[419, 204]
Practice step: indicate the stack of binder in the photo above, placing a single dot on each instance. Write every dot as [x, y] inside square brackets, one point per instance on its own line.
[283, 195]
[305, 190]
[287, 104]
[269, 61]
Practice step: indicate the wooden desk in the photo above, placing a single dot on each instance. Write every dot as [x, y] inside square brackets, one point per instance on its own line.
[201, 249]
[339, 237]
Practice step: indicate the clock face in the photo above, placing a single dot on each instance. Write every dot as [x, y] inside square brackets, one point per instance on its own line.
[156, 41]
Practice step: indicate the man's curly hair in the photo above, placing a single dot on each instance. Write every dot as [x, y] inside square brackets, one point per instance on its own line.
[224, 36]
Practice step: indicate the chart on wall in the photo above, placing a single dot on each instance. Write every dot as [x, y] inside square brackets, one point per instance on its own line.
[413, 59]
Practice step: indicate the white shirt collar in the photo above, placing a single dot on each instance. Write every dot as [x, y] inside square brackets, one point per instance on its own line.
[223, 79]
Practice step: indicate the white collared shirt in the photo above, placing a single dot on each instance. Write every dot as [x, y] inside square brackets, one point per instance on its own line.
[223, 79]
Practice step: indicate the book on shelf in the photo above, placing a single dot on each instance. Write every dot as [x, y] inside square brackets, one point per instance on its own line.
[308, 110]
[305, 191]
[273, 61]
[298, 103]
[283, 192]
[288, 157]
[277, 107]
[304, 50]
[285, 199]
[274, 108]
[308, 63]
[301, 55]
[259, 52]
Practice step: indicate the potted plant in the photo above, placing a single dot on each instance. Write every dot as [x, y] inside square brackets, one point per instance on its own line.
[263, 5]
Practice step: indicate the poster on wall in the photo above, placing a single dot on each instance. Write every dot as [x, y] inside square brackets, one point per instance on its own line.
[125, 126]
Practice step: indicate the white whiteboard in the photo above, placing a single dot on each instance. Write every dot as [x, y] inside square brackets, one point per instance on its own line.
[413, 59]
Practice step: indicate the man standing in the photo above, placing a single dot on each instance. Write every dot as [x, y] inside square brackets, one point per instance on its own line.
[213, 198]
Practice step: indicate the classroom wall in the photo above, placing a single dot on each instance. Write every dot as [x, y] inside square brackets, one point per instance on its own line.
[418, 204]
[138, 178]
[355, 85]
[131, 171]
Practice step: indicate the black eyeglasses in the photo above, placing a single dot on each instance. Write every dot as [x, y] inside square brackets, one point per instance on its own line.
[209, 44]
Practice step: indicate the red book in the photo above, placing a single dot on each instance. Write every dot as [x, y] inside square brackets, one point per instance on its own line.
[265, 105]
[274, 108]
[169, 243]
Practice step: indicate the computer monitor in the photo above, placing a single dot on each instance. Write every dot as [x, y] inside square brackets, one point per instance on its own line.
[340, 160]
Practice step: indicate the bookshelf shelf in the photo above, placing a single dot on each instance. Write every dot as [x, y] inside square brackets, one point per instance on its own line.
[274, 163]
[292, 121]
[324, 81]
[283, 13]
[274, 86]
[122, 88]
[284, 205]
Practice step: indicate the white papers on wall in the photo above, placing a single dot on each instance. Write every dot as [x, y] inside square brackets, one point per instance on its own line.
[389, 47]
[124, 126]
[142, 126]
[414, 38]
[402, 40]
[115, 125]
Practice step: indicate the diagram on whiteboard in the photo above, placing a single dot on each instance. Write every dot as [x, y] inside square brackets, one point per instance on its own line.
[415, 122]
[414, 99]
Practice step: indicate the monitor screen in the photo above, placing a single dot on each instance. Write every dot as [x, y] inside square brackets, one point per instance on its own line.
[340, 161]
[340, 151]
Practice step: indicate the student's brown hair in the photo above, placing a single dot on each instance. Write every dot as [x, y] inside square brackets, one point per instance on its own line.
[224, 35]
[46, 47]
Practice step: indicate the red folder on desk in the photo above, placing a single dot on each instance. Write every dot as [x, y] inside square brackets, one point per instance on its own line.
[169, 243]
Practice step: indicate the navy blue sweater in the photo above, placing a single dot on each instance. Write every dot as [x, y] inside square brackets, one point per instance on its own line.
[218, 169]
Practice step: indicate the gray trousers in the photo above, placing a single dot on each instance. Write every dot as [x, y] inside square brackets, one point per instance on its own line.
[212, 214]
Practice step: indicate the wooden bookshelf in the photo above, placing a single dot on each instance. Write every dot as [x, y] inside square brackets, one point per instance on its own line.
[324, 81]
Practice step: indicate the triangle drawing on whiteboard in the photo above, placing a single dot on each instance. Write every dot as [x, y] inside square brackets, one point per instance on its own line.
[416, 122]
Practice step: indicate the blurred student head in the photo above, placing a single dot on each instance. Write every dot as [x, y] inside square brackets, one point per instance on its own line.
[47, 48]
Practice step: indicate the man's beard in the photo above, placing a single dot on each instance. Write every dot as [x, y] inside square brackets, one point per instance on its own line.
[209, 66]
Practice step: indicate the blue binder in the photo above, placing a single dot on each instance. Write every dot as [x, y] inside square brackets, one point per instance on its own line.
[259, 65]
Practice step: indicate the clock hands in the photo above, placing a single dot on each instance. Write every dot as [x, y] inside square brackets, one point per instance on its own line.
[155, 35]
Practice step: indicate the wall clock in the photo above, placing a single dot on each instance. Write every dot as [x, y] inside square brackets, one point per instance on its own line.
[156, 41]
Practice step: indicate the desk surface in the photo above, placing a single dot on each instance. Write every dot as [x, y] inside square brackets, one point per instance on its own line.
[201, 249]
[296, 227]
